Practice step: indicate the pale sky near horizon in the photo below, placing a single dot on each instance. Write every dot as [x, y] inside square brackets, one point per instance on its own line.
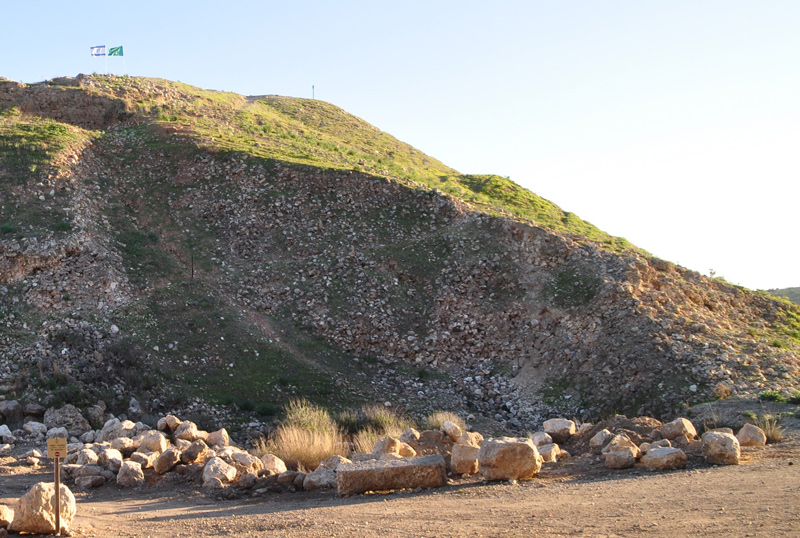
[672, 124]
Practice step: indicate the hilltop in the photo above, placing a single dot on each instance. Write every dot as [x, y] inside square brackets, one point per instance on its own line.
[206, 253]
[793, 294]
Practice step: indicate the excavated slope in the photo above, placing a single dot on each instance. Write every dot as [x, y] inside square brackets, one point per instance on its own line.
[154, 260]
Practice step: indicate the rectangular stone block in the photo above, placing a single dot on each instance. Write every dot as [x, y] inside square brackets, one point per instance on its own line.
[381, 475]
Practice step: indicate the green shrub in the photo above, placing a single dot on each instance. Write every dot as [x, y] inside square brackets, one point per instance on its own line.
[771, 396]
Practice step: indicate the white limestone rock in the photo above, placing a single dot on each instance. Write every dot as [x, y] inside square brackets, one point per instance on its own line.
[664, 458]
[130, 475]
[452, 430]
[273, 464]
[560, 429]
[676, 428]
[217, 473]
[751, 435]
[35, 512]
[721, 448]
[508, 458]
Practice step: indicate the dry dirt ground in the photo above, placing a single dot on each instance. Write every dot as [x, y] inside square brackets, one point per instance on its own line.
[760, 497]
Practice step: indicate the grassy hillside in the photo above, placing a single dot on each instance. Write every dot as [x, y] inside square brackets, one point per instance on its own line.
[793, 294]
[316, 133]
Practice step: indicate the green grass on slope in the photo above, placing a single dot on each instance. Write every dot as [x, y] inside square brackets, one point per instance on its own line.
[29, 149]
[311, 132]
[792, 294]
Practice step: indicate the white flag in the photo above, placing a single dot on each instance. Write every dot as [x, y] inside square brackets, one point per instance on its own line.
[98, 51]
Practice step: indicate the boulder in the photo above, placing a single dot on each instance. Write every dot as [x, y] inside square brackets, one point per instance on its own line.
[130, 475]
[409, 435]
[6, 435]
[111, 459]
[145, 459]
[621, 440]
[464, 459]
[217, 473]
[246, 462]
[68, 417]
[391, 445]
[167, 460]
[187, 430]
[115, 428]
[541, 438]
[6, 516]
[600, 440]
[32, 409]
[334, 461]
[168, 423]
[560, 429]
[452, 430]
[323, 477]
[382, 475]
[664, 458]
[86, 470]
[59, 432]
[89, 482]
[751, 435]
[196, 452]
[125, 445]
[34, 428]
[620, 457]
[508, 458]
[721, 448]
[676, 428]
[11, 411]
[470, 439]
[96, 416]
[153, 442]
[549, 452]
[218, 438]
[5, 449]
[273, 464]
[86, 456]
[35, 512]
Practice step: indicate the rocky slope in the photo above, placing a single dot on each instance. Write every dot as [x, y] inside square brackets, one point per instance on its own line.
[183, 246]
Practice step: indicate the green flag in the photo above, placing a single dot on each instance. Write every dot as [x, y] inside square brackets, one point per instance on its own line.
[115, 51]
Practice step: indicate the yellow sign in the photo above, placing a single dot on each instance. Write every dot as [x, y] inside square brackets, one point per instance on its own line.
[56, 447]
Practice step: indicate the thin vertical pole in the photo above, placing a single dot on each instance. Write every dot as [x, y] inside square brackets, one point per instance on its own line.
[58, 496]
[312, 91]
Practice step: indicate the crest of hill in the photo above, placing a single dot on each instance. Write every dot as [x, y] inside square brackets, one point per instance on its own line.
[182, 245]
[287, 129]
[792, 294]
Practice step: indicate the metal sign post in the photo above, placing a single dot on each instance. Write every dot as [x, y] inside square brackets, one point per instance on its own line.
[56, 448]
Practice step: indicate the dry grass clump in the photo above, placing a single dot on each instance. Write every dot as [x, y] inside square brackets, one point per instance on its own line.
[371, 423]
[435, 420]
[772, 429]
[307, 436]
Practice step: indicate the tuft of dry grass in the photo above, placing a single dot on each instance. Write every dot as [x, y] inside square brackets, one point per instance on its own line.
[772, 429]
[435, 420]
[307, 436]
[366, 439]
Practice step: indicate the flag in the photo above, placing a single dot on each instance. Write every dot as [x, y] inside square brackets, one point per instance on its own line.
[98, 51]
[115, 51]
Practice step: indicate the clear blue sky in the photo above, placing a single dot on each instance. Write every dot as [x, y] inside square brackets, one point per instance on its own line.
[673, 124]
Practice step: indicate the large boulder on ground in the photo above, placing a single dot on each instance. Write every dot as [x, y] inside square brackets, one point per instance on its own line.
[68, 417]
[86, 456]
[323, 477]
[409, 435]
[620, 457]
[600, 440]
[167, 460]
[560, 429]
[273, 464]
[678, 427]
[125, 445]
[382, 475]
[11, 411]
[35, 512]
[664, 458]
[145, 459]
[246, 462]
[130, 475]
[217, 473]
[59, 432]
[115, 428]
[464, 459]
[168, 423]
[508, 458]
[721, 448]
[751, 435]
[619, 441]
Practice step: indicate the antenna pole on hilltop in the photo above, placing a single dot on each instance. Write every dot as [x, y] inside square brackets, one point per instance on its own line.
[312, 91]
